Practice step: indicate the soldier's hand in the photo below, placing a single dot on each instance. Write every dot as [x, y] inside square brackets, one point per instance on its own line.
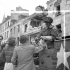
[36, 38]
[43, 37]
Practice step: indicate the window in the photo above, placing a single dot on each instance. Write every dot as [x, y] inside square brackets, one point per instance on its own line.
[17, 40]
[51, 5]
[11, 23]
[3, 35]
[11, 31]
[38, 23]
[3, 27]
[7, 33]
[59, 30]
[58, 10]
[68, 2]
[25, 27]
[35, 23]
[18, 28]
[36, 58]
[8, 24]
[14, 30]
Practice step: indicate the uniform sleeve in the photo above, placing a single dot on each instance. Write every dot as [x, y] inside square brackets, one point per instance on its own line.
[54, 34]
[39, 35]
[38, 49]
[14, 57]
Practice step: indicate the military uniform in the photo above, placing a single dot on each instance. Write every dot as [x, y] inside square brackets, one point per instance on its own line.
[48, 32]
[45, 61]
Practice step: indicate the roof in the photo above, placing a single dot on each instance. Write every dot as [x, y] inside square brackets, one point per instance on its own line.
[13, 20]
[22, 16]
[32, 16]
[50, 1]
[8, 17]
[40, 7]
[57, 3]
[20, 9]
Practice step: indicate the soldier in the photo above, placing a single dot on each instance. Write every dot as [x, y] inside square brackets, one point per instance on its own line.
[48, 34]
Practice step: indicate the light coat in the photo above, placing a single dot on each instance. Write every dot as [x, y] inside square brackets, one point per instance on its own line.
[23, 57]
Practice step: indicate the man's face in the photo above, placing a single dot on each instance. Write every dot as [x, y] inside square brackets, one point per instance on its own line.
[43, 24]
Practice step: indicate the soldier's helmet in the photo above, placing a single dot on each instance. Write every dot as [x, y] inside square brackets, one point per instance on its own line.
[48, 20]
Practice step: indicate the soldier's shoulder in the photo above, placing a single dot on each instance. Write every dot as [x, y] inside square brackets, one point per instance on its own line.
[53, 29]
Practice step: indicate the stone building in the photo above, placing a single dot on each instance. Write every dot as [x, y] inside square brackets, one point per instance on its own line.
[60, 6]
[10, 27]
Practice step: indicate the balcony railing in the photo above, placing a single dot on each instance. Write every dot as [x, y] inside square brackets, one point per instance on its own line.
[58, 14]
[33, 30]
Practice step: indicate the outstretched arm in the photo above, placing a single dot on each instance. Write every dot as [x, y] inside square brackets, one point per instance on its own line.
[38, 49]
[47, 37]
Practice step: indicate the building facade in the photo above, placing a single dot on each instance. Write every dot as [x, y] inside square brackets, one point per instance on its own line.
[60, 6]
[11, 25]
[4, 31]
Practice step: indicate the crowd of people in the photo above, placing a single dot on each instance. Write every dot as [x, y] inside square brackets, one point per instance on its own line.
[20, 57]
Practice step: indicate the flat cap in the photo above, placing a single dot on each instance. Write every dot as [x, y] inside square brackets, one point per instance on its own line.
[47, 20]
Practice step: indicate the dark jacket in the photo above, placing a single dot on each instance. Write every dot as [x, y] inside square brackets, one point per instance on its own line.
[7, 53]
[48, 32]
[23, 55]
[2, 62]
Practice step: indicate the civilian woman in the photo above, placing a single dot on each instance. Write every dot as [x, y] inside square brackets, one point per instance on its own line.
[7, 53]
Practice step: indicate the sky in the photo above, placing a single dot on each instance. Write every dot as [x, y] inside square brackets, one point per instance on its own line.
[7, 5]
